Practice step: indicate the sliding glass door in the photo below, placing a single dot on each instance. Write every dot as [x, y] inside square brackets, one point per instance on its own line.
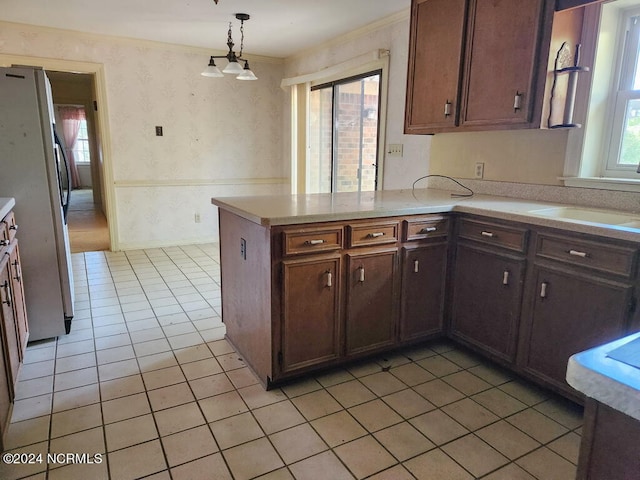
[343, 135]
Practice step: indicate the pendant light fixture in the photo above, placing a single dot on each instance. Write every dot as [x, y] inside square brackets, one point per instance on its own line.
[242, 72]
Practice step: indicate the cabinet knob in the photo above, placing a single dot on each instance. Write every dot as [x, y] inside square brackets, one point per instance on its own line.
[7, 293]
[375, 234]
[428, 229]
[577, 253]
[314, 242]
[329, 278]
[543, 290]
[361, 279]
[517, 101]
[416, 266]
[487, 234]
[505, 277]
[14, 227]
[447, 108]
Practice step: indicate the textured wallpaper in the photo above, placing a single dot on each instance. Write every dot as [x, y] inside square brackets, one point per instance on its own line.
[214, 130]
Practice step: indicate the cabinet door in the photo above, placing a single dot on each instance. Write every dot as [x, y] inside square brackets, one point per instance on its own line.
[311, 313]
[422, 292]
[371, 300]
[487, 297]
[572, 312]
[19, 308]
[504, 38]
[435, 62]
[8, 333]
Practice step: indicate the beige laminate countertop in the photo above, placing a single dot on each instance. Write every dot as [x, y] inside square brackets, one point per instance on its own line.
[271, 210]
[6, 205]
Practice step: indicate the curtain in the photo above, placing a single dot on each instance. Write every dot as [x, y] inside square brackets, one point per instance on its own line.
[71, 118]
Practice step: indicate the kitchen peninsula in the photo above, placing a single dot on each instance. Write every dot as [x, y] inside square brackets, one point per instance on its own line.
[312, 281]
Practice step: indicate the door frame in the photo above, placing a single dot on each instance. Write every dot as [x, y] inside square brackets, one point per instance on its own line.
[97, 69]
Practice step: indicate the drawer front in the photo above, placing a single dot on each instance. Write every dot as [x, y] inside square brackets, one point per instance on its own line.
[367, 234]
[12, 227]
[512, 238]
[299, 242]
[425, 227]
[596, 255]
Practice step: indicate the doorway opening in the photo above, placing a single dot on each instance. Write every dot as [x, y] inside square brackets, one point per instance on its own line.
[74, 106]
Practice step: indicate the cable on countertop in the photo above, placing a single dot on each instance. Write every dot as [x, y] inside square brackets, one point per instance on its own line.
[470, 194]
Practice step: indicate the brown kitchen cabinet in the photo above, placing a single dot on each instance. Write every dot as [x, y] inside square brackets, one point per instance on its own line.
[581, 296]
[310, 312]
[487, 295]
[477, 64]
[19, 307]
[423, 268]
[8, 326]
[488, 285]
[297, 298]
[371, 312]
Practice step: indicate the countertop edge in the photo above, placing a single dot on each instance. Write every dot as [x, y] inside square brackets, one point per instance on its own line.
[590, 372]
[503, 208]
[6, 205]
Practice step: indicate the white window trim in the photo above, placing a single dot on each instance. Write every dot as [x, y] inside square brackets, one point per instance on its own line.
[300, 88]
[588, 146]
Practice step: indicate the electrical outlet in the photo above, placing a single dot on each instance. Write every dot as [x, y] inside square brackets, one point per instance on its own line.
[394, 150]
[196, 217]
[479, 172]
[243, 248]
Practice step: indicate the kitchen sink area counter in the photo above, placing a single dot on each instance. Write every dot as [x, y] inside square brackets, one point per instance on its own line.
[314, 281]
[324, 207]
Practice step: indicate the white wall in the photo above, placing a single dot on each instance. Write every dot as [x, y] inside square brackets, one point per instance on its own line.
[399, 172]
[221, 136]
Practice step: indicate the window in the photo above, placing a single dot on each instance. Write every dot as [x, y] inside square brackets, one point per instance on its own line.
[81, 148]
[623, 158]
[343, 134]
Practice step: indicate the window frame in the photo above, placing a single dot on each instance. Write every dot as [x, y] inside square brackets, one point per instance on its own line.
[333, 84]
[628, 51]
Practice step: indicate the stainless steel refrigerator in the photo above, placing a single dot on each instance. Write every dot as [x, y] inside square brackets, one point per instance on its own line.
[33, 171]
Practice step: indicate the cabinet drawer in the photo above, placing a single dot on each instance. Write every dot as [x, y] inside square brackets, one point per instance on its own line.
[372, 234]
[425, 227]
[297, 242]
[8, 229]
[512, 238]
[596, 255]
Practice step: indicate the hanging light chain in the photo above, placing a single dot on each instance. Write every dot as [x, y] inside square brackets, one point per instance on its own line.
[241, 37]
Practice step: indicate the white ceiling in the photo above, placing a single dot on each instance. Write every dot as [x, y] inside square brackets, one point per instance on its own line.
[277, 28]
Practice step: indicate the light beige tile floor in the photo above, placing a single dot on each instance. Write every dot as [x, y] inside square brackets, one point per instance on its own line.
[147, 384]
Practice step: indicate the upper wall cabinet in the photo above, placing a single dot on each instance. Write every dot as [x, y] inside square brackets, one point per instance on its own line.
[477, 64]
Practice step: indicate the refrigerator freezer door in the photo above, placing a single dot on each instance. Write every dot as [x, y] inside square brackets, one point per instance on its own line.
[28, 167]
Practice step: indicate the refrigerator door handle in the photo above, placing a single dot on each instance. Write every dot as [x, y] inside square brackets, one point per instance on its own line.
[65, 205]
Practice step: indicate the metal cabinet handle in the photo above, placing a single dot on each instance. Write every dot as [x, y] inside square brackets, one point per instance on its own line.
[447, 108]
[577, 253]
[543, 290]
[517, 101]
[314, 242]
[329, 278]
[428, 229]
[361, 279]
[4, 243]
[16, 266]
[14, 227]
[416, 266]
[505, 277]
[376, 234]
[7, 294]
[487, 234]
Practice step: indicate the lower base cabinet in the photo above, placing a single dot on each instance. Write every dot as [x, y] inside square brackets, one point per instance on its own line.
[609, 447]
[371, 312]
[311, 331]
[487, 294]
[571, 312]
[422, 291]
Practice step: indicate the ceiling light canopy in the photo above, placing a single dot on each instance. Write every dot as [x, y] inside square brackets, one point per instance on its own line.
[242, 71]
